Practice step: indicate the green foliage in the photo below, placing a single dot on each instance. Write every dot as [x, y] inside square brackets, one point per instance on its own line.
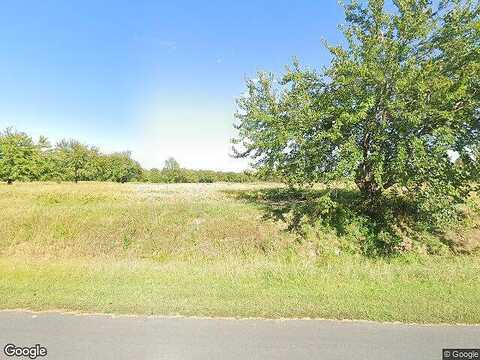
[119, 167]
[23, 159]
[339, 220]
[77, 161]
[171, 164]
[18, 157]
[47, 164]
[389, 112]
[172, 172]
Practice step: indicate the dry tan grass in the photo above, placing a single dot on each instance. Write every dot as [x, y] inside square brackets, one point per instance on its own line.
[133, 220]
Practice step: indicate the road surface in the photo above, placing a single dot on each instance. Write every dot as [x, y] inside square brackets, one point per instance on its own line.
[68, 336]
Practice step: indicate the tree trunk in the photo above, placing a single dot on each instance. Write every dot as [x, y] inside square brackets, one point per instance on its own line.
[9, 181]
[365, 178]
[366, 182]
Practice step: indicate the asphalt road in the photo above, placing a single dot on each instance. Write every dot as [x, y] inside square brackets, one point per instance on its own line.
[67, 336]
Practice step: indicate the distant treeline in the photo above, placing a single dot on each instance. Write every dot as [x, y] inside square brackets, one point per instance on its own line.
[23, 159]
[173, 173]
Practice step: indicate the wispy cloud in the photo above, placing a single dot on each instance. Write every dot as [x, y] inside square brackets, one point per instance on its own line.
[168, 44]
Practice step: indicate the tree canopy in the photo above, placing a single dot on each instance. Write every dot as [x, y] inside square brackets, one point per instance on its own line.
[23, 159]
[77, 160]
[398, 104]
[18, 156]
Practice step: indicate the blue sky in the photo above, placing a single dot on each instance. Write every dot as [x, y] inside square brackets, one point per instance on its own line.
[158, 78]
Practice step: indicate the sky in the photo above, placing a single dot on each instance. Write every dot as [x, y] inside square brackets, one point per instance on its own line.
[158, 78]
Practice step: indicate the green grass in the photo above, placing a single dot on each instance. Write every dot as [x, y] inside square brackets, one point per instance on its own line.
[439, 291]
[198, 250]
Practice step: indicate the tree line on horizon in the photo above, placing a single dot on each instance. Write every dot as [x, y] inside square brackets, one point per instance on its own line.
[23, 159]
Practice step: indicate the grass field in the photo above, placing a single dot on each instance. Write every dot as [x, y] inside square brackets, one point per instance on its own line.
[206, 250]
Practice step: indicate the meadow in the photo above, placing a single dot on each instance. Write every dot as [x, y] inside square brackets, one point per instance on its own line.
[213, 250]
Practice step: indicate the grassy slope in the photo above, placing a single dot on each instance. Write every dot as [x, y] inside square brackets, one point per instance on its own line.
[196, 250]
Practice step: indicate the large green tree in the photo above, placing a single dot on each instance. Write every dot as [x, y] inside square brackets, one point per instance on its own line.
[120, 167]
[395, 107]
[46, 164]
[76, 161]
[18, 157]
[173, 173]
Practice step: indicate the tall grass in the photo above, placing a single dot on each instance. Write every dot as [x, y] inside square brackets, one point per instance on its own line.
[209, 249]
[133, 221]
